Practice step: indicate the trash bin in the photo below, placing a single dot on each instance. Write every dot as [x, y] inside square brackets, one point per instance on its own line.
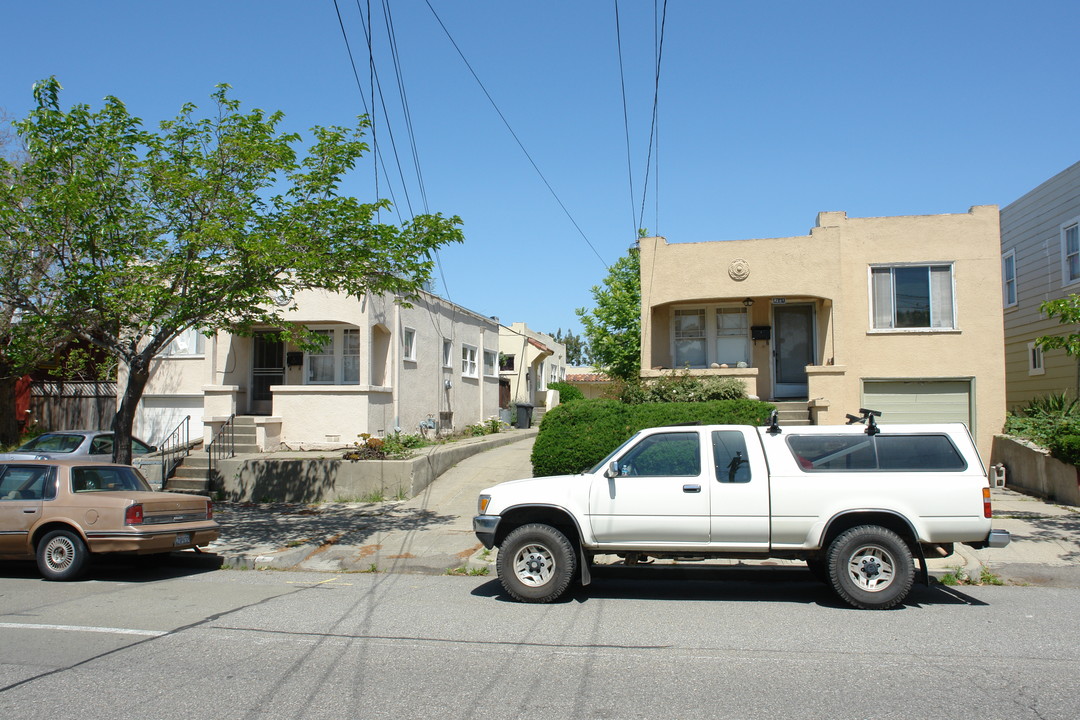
[524, 415]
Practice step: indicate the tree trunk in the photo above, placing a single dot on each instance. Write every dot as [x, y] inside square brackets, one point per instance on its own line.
[124, 420]
[9, 421]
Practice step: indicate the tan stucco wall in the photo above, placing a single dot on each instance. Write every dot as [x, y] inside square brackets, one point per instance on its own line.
[830, 269]
[514, 340]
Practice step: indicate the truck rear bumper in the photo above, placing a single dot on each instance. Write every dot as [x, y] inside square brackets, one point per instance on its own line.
[996, 539]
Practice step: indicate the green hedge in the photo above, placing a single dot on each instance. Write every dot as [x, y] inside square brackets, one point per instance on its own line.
[1066, 448]
[576, 436]
[567, 392]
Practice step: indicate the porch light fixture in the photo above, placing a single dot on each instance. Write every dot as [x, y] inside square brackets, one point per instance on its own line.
[748, 302]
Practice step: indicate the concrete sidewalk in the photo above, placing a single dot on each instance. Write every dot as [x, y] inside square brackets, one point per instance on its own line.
[432, 533]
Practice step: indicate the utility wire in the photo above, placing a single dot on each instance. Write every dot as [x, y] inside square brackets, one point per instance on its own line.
[656, 101]
[626, 119]
[514, 134]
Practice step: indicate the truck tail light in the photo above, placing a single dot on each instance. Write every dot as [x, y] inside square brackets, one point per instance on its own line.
[987, 512]
[133, 515]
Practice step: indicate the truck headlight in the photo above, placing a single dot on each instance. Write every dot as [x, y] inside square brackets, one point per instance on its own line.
[482, 504]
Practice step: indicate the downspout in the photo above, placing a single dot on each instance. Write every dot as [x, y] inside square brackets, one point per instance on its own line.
[395, 375]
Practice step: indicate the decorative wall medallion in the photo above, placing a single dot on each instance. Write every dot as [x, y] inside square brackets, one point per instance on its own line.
[739, 269]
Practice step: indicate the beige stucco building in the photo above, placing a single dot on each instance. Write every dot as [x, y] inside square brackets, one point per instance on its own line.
[1040, 261]
[897, 314]
[384, 367]
[528, 361]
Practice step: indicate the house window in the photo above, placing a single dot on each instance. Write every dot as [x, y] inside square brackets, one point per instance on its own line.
[491, 360]
[320, 363]
[447, 353]
[1070, 253]
[468, 361]
[690, 338]
[1008, 278]
[912, 297]
[732, 336]
[541, 385]
[554, 373]
[506, 362]
[1035, 359]
[711, 335]
[408, 339]
[189, 342]
[350, 357]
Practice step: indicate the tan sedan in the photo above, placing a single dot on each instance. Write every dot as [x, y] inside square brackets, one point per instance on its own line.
[62, 511]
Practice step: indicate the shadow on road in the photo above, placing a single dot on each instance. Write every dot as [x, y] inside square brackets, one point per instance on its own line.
[793, 585]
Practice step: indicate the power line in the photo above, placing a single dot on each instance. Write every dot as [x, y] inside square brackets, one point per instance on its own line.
[656, 101]
[514, 134]
[626, 119]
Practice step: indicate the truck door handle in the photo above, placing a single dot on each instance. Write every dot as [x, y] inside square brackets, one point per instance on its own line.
[691, 488]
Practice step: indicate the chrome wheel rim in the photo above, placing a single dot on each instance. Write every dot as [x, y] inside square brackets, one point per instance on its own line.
[872, 568]
[534, 565]
[60, 553]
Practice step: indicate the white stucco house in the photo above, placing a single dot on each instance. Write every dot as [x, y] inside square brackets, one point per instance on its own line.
[384, 367]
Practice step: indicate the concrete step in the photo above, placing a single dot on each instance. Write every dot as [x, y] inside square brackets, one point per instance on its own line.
[188, 485]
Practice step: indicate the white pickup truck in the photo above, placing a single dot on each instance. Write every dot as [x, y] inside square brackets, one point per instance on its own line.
[857, 503]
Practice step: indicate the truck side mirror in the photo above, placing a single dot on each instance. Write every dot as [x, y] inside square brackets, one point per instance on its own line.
[612, 470]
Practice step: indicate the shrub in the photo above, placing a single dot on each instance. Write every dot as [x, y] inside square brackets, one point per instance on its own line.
[680, 388]
[1066, 448]
[576, 436]
[567, 392]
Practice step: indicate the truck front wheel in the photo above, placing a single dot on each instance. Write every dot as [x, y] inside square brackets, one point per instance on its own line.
[536, 563]
[870, 567]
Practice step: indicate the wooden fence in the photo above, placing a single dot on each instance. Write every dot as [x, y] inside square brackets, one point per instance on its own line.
[72, 405]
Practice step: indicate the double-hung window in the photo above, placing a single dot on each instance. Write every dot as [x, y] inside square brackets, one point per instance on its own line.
[320, 363]
[710, 335]
[1070, 253]
[187, 343]
[468, 361]
[912, 297]
[408, 339]
[1008, 278]
[491, 360]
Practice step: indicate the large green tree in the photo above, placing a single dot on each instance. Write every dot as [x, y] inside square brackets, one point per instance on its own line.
[577, 348]
[613, 327]
[200, 223]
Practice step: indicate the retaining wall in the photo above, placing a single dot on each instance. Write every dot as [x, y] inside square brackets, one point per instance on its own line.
[292, 477]
[1032, 469]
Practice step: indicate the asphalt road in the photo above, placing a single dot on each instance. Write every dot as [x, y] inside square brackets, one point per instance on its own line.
[190, 643]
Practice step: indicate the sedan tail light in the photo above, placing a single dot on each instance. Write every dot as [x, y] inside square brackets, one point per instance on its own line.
[133, 515]
[209, 510]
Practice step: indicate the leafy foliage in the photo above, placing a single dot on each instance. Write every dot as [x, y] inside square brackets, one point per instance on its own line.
[1067, 311]
[567, 392]
[679, 387]
[577, 348]
[1052, 421]
[143, 234]
[574, 437]
[613, 327]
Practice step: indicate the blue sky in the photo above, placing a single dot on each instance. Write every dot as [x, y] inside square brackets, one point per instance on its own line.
[769, 112]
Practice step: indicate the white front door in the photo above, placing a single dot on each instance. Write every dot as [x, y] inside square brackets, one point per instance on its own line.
[793, 349]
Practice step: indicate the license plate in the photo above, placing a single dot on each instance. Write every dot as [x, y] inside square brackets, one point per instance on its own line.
[182, 539]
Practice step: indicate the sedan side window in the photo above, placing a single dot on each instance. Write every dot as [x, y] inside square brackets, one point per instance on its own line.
[664, 455]
[102, 445]
[26, 483]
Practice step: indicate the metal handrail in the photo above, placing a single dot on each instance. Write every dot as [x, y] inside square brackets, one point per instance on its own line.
[174, 448]
[222, 445]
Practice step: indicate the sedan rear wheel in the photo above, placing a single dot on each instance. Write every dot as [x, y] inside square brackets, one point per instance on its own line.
[61, 555]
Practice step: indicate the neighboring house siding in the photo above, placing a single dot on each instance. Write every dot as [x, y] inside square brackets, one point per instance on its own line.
[1031, 229]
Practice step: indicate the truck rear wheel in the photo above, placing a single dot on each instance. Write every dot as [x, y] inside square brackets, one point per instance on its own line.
[870, 567]
[536, 563]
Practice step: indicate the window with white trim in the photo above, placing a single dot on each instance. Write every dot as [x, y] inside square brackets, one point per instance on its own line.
[554, 373]
[447, 353]
[491, 363]
[1008, 278]
[541, 382]
[350, 356]
[715, 334]
[1070, 252]
[1035, 359]
[189, 342]
[912, 297]
[468, 361]
[320, 363]
[408, 339]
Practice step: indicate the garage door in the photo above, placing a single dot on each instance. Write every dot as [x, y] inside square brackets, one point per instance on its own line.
[158, 416]
[919, 401]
